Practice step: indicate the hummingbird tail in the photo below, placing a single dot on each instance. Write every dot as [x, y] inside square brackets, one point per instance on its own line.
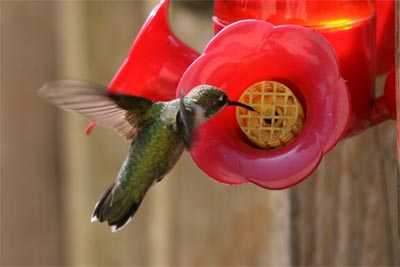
[116, 207]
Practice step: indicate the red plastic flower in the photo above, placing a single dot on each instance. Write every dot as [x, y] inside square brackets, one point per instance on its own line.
[156, 60]
[250, 51]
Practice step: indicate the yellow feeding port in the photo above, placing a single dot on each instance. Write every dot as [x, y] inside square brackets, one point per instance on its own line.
[279, 117]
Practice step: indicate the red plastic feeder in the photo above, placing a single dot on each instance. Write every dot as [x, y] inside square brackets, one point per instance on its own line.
[289, 74]
[275, 69]
[156, 61]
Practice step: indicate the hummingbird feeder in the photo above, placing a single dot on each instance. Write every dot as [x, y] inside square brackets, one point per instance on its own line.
[296, 96]
[307, 67]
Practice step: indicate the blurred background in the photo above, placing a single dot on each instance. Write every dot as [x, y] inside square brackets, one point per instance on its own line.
[52, 174]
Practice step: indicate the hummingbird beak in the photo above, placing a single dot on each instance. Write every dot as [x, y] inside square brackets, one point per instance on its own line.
[239, 104]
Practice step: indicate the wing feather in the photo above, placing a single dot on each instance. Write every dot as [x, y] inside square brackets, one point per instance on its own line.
[185, 122]
[94, 103]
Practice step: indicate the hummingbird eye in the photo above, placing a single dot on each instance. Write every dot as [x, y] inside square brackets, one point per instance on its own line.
[223, 99]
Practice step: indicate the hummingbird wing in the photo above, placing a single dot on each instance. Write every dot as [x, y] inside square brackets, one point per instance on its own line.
[185, 122]
[122, 113]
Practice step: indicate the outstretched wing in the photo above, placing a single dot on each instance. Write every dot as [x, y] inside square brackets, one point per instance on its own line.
[122, 113]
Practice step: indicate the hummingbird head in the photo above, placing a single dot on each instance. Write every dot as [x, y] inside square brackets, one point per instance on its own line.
[205, 101]
[201, 104]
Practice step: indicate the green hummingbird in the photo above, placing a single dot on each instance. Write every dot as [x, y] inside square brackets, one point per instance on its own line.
[158, 133]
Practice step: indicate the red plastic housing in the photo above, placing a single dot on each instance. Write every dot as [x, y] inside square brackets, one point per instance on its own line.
[351, 29]
[317, 69]
[156, 61]
[250, 51]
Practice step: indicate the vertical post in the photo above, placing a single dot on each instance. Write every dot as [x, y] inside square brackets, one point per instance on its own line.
[31, 221]
[74, 153]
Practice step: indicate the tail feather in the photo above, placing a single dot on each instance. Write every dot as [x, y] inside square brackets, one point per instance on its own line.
[97, 213]
[116, 209]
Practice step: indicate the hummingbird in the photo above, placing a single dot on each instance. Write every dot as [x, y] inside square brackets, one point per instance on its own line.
[158, 133]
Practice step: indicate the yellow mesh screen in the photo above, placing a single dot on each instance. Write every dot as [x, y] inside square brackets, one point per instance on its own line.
[280, 116]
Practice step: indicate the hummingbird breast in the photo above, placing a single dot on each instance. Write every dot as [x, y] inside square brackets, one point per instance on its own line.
[153, 153]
